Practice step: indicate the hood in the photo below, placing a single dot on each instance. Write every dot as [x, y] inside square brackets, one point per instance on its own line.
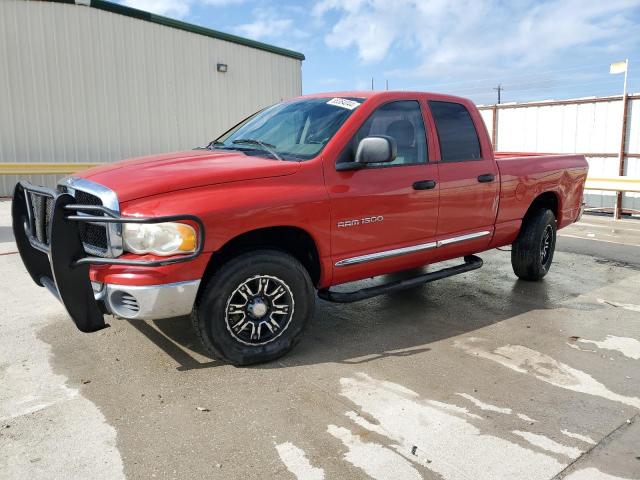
[146, 176]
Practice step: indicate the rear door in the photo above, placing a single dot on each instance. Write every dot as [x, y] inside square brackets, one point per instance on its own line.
[384, 216]
[469, 181]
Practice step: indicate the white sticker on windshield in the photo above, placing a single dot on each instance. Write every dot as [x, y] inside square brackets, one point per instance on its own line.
[343, 103]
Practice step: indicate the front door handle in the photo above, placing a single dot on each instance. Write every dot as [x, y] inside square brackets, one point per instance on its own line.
[424, 185]
[487, 177]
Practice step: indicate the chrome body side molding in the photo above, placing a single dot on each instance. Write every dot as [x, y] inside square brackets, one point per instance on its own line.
[412, 249]
[386, 254]
[463, 238]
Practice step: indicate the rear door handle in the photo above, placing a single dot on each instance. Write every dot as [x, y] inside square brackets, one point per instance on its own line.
[487, 177]
[424, 185]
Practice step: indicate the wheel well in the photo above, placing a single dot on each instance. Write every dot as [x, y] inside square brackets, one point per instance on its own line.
[292, 240]
[545, 200]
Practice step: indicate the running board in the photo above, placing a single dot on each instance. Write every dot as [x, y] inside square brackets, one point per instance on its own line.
[471, 262]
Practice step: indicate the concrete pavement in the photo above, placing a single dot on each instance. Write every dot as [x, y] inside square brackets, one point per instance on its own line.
[478, 376]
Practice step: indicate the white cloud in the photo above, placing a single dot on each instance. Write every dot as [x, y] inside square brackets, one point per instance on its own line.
[170, 8]
[222, 3]
[175, 8]
[269, 23]
[463, 35]
[266, 24]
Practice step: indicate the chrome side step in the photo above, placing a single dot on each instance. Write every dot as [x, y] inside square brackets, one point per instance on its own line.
[471, 262]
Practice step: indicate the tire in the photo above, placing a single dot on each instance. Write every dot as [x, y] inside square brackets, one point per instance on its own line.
[255, 308]
[532, 252]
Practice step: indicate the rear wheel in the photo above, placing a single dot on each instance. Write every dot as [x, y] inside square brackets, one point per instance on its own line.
[532, 252]
[255, 308]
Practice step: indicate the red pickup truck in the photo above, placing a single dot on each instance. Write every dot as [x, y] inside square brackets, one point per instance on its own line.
[304, 195]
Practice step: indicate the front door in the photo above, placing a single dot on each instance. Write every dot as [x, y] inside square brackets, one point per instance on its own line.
[384, 216]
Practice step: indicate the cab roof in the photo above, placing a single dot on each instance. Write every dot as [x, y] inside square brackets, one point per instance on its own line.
[387, 94]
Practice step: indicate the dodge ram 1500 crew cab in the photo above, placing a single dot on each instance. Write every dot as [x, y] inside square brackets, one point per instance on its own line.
[304, 195]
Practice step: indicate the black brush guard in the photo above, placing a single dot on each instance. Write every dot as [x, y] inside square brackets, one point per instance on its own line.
[45, 226]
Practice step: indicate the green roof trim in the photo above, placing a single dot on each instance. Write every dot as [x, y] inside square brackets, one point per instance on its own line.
[188, 27]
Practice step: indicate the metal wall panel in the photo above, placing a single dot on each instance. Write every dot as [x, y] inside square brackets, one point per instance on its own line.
[601, 167]
[85, 85]
[585, 127]
[581, 127]
[487, 116]
[633, 126]
[632, 199]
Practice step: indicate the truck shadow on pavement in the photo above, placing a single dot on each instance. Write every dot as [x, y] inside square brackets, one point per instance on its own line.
[174, 336]
[392, 325]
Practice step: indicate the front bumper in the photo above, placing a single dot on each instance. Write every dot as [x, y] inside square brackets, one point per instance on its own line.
[45, 226]
[148, 302]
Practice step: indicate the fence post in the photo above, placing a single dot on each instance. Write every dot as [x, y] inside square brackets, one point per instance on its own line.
[617, 212]
[494, 128]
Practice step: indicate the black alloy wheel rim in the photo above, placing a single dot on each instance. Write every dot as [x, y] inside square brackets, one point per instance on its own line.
[259, 310]
[545, 246]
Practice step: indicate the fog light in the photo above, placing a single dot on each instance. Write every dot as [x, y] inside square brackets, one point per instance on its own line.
[124, 304]
[97, 287]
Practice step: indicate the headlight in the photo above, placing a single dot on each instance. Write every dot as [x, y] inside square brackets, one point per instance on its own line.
[159, 238]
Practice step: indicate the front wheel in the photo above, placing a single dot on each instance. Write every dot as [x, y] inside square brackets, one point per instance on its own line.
[255, 308]
[532, 252]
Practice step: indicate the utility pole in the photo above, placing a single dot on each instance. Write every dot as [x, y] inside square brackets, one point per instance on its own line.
[371, 83]
[386, 82]
[499, 88]
[620, 67]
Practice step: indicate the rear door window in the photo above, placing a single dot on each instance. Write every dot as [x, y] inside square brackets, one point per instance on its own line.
[456, 132]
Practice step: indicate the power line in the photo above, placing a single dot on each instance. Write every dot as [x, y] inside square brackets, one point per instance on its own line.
[603, 66]
[488, 97]
[528, 87]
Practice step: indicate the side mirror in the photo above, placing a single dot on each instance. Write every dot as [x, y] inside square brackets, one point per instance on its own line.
[378, 149]
[374, 149]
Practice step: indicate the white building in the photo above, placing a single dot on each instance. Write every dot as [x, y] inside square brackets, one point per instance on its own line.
[94, 81]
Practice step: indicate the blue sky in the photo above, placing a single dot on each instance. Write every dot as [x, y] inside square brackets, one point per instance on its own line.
[536, 50]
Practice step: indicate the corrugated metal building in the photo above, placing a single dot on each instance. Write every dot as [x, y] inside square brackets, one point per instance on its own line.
[93, 81]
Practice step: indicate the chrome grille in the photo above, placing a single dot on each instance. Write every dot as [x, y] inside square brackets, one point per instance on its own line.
[41, 210]
[94, 236]
[87, 198]
[99, 239]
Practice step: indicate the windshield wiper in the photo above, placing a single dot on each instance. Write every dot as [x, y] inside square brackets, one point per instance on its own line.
[213, 144]
[267, 147]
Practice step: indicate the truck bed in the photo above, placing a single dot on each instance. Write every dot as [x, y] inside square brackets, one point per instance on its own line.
[524, 175]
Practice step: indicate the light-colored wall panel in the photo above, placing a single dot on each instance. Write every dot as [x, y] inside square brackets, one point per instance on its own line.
[632, 199]
[80, 84]
[487, 117]
[601, 167]
[581, 127]
[564, 128]
[633, 126]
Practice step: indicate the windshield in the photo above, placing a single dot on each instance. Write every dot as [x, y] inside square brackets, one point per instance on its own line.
[296, 130]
